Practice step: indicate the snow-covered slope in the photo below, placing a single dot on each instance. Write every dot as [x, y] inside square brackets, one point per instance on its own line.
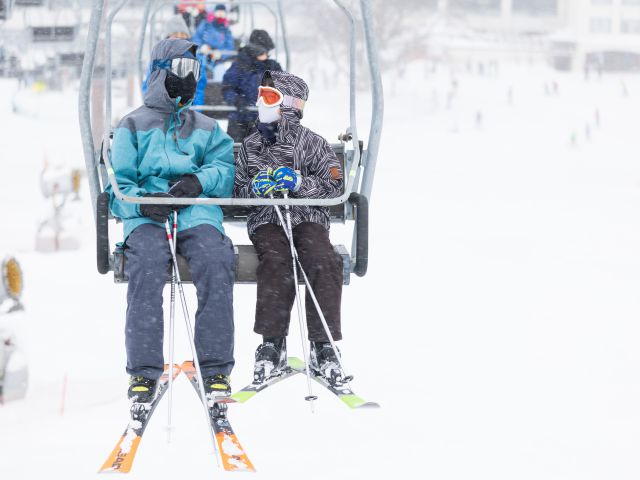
[497, 325]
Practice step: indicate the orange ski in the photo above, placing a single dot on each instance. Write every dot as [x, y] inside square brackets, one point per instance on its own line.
[122, 456]
[233, 456]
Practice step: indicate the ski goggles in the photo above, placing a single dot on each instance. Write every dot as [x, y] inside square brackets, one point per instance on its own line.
[181, 67]
[272, 97]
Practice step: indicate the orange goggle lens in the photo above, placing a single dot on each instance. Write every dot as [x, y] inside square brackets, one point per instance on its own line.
[270, 95]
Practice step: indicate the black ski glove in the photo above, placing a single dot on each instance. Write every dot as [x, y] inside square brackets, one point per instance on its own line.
[188, 186]
[157, 213]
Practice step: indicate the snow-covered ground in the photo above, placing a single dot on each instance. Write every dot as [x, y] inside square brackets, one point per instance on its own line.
[497, 325]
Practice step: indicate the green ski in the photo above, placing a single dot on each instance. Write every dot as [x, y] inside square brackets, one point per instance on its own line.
[341, 390]
[251, 390]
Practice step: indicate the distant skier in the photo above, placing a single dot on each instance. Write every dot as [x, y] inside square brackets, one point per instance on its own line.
[192, 11]
[213, 34]
[160, 144]
[625, 90]
[479, 118]
[284, 156]
[240, 82]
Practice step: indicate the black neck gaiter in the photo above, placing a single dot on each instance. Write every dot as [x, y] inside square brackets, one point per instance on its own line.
[185, 88]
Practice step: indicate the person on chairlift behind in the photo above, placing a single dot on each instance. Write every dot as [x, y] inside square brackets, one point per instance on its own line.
[215, 40]
[283, 156]
[192, 11]
[240, 83]
[165, 149]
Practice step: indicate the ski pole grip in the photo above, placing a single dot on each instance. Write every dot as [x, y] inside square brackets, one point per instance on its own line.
[361, 203]
[102, 232]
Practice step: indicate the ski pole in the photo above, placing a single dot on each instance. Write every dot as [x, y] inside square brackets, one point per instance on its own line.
[289, 233]
[311, 397]
[185, 312]
[172, 314]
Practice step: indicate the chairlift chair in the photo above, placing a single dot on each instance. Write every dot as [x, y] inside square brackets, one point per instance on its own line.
[60, 24]
[359, 163]
[214, 104]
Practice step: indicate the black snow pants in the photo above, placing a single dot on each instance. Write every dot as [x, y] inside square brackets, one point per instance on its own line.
[276, 292]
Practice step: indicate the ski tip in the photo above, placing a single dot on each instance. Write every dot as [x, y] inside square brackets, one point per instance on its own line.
[237, 463]
[233, 456]
[354, 401]
[121, 459]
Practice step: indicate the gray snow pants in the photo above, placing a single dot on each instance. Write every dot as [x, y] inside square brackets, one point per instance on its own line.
[212, 265]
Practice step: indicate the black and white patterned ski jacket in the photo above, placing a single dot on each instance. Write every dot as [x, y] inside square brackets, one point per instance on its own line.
[296, 147]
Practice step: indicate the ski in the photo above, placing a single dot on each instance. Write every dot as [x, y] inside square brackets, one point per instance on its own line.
[121, 458]
[232, 454]
[339, 389]
[251, 390]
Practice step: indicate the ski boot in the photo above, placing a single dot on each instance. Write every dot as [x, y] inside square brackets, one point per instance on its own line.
[141, 389]
[324, 363]
[217, 387]
[271, 359]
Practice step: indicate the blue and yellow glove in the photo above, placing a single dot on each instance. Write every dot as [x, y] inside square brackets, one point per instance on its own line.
[263, 183]
[286, 179]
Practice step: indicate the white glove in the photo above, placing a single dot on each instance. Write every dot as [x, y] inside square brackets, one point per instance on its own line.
[205, 49]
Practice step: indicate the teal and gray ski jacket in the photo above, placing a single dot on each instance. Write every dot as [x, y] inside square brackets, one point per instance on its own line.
[160, 141]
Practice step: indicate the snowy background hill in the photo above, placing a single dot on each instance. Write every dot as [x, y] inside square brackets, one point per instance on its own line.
[497, 326]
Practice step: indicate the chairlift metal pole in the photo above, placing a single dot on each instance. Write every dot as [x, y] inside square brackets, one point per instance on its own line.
[283, 29]
[143, 32]
[107, 65]
[84, 111]
[353, 129]
[377, 113]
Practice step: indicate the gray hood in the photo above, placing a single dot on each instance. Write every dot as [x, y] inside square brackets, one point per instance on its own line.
[175, 24]
[157, 96]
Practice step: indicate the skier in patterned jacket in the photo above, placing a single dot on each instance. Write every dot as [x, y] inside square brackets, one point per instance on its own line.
[283, 156]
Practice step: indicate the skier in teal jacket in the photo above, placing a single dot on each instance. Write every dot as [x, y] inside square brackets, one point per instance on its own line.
[164, 149]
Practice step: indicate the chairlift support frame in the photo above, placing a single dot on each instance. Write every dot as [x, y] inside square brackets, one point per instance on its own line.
[277, 15]
[280, 33]
[359, 163]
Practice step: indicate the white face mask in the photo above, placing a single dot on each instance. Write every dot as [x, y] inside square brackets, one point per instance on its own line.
[268, 114]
